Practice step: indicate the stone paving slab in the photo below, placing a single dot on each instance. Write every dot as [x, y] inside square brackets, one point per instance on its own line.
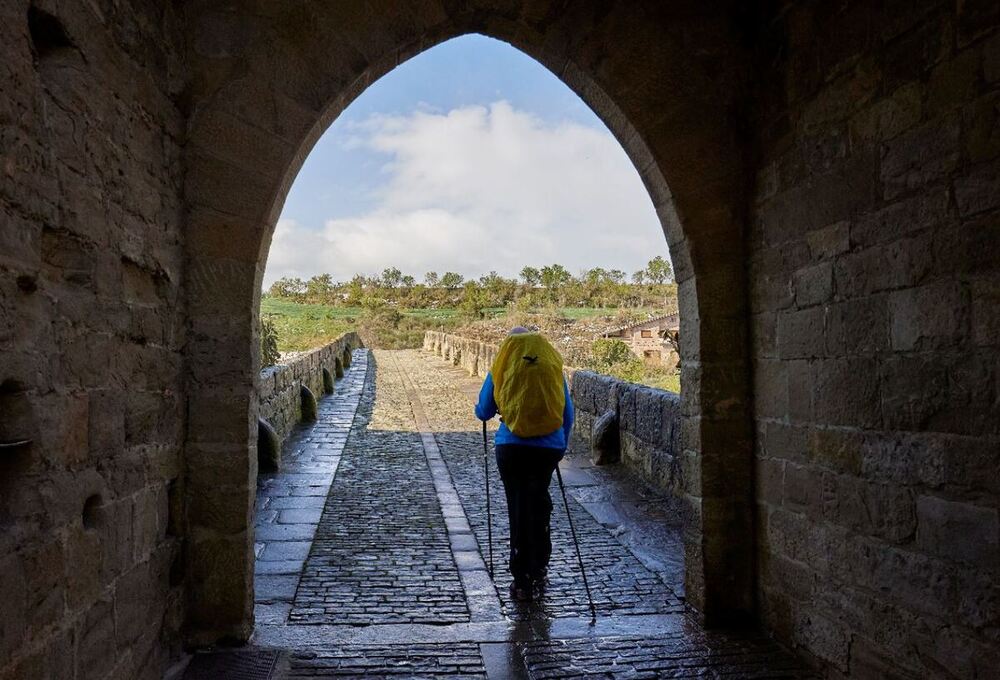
[289, 502]
[381, 554]
[636, 657]
[461, 660]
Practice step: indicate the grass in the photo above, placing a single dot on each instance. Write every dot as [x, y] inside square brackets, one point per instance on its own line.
[303, 327]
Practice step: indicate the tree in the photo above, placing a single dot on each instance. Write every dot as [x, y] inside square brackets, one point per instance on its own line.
[473, 300]
[554, 278]
[639, 277]
[432, 279]
[391, 277]
[658, 270]
[319, 287]
[356, 289]
[408, 281]
[287, 287]
[452, 280]
[532, 277]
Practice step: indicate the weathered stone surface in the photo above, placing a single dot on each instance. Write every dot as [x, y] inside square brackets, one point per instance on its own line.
[868, 469]
[144, 154]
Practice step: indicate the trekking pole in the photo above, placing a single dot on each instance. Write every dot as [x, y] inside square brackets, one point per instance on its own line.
[583, 572]
[489, 520]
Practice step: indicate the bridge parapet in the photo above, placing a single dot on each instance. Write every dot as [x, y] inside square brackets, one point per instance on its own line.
[280, 393]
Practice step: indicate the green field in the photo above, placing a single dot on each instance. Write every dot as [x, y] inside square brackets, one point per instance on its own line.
[303, 326]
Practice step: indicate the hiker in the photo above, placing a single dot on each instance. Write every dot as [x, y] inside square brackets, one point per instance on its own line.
[526, 386]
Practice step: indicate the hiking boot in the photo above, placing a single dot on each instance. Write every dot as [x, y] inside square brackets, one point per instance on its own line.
[538, 583]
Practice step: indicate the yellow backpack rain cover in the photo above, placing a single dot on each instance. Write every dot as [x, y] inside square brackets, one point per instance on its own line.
[528, 385]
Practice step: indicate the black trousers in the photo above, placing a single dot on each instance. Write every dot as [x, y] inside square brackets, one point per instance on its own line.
[526, 472]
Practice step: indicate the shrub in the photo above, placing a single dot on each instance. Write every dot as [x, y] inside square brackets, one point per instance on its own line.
[614, 358]
[269, 355]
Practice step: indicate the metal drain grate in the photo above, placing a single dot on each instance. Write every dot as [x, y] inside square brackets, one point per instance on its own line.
[257, 665]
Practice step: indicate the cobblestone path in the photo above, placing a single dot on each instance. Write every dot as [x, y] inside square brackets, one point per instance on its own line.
[381, 553]
[372, 555]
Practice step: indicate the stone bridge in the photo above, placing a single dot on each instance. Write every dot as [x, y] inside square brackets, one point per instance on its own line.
[826, 176]
[372, 551]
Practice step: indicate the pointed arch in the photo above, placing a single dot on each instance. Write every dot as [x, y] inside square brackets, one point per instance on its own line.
[267, 84]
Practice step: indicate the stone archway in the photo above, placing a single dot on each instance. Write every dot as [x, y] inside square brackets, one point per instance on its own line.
[268, 80]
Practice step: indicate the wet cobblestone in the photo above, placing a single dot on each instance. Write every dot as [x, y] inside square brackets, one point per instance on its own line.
[290, 502]
[692, 655]
[381, 553]
[461, 660]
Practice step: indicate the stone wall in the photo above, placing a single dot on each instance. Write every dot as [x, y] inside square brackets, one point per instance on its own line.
[647, 419]
[474, 356]
[280, 386]
[91, 330]
[648, 423]
[875, 293]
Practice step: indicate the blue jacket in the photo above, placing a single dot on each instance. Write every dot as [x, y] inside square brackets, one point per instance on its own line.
[487, 408]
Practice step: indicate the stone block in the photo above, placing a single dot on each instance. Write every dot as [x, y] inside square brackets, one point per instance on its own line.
[147, 531]
[837, 450]
[858, 327]
[83, 582]
[46, 589]
[953, 82]
[964, 532]
[649, 411]
[801, 395]
[846, 392]
[976, 191]
[803, 489]
[770, 389]
[991, 59]
[921, 157]
[14, 604]
[776, 439]
[933, 316]
[884, 511]
[769, 479]
[985, 295]
[889, 117]
[902, 217]
[813, 285]
[915, 392]
[976, 18]
[95, 633]
[828, 242]
[982, 120]
[801, 333]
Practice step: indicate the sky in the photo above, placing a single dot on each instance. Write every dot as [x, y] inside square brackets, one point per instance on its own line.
[470, 157]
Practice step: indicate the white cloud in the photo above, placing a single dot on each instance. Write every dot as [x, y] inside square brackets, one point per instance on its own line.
[481, 188]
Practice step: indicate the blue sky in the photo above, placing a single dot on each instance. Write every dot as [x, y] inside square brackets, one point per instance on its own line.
[469, 157]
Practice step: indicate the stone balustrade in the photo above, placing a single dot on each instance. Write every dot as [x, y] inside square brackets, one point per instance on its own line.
[281, 387]
[616, 421]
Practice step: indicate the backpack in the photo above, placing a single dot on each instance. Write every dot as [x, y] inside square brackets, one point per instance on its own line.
[528, 385]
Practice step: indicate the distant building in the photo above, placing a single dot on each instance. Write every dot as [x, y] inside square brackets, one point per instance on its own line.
[654, 341]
